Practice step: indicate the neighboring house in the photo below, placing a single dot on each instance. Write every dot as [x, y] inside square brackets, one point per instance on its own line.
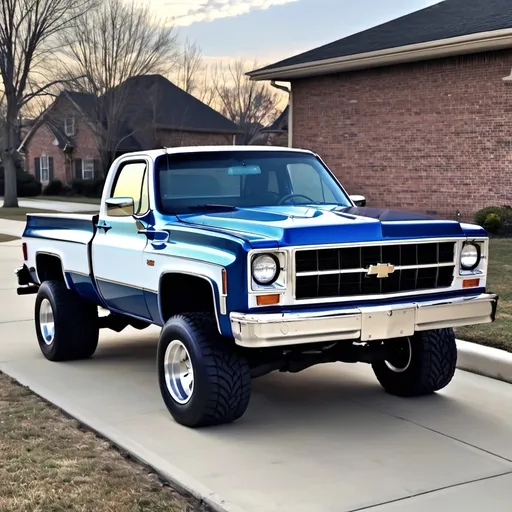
[152, 113]
[61, 143]
[276, 134]
[415, 113]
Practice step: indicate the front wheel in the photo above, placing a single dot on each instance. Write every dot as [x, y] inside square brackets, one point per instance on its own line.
[203, 379]
[419, 365]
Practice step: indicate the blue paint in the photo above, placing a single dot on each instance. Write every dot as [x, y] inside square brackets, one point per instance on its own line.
[152, 302]
[84, 286]
[129, 300]
[72, 229]
[285, 226]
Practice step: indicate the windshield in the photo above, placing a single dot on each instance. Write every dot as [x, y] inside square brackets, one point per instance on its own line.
[189, 181]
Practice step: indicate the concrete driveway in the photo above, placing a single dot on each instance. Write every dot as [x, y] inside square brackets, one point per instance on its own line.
[328, 439]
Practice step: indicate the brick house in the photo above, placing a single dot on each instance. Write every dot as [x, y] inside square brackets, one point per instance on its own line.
[415, 113]
[152, 112]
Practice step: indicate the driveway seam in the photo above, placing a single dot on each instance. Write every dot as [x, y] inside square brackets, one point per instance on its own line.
[466, 443]
[424, 493]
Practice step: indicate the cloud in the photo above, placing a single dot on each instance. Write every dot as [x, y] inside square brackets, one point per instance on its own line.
[186, 12]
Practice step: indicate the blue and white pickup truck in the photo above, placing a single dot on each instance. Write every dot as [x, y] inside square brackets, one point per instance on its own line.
[253, 260]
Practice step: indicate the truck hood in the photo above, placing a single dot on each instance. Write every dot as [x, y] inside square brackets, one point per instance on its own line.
[294, 225]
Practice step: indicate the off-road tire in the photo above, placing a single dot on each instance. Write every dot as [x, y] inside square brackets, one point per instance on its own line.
[431, 368]
[222, 380]
[76, 323]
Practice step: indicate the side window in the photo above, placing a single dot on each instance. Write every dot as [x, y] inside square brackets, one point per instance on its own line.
[132, 181]
[306, 180]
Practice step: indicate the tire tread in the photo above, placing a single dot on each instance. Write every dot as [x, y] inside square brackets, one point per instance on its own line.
[432, 369]
[76, 323]
[228, 374]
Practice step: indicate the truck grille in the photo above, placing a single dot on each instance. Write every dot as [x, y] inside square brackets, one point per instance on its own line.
[342, 272]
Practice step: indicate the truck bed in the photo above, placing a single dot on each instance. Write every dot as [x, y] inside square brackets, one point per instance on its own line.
[67, 237]
[68, 227]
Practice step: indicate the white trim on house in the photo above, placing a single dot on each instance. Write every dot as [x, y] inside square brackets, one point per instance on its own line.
[473, 43]
[87, 168]
[46, 168]
[69, 127]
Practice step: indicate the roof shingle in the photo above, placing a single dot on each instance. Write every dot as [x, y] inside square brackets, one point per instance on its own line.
[447, 19]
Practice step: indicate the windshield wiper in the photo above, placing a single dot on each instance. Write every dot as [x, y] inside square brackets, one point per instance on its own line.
[226, 207]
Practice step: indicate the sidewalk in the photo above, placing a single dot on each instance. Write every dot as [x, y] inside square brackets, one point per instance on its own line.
[58, 206]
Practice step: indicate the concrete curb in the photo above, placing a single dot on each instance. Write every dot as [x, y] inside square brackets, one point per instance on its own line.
[486, 361]
[178, 479]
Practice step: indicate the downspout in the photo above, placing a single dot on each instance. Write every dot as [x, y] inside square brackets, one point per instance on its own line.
[290, 109]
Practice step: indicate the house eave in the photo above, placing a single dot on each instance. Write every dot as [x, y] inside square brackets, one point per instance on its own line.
[214, 131]
[463, 45]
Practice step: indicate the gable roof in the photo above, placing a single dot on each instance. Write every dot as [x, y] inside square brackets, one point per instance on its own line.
[280, 125]
[151, 100]
[86, 102]
[154, 99]
[462, 26]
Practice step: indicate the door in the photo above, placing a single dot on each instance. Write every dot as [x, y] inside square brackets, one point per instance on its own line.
[118, 248]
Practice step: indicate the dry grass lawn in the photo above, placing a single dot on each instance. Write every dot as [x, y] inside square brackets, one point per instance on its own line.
[499, 333]
[48, 464]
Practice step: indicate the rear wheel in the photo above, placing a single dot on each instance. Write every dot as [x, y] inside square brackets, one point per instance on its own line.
[419, 365]
[66, 326]
[203, 379]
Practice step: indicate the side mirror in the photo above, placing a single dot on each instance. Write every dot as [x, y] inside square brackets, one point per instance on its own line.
[120, 206]
[358, 200]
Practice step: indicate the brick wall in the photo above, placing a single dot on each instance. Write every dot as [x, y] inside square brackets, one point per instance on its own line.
[42, 141]
[432, 136]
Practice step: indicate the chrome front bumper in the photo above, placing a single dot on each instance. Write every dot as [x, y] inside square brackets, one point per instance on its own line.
[258, 330]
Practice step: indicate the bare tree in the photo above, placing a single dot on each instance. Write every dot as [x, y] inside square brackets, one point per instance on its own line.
[28, 30]
[248, 103]
[190, 68]
[117, 41]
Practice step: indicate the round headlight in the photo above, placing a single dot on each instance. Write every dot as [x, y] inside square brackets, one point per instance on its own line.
[470, 257]
[265, 269]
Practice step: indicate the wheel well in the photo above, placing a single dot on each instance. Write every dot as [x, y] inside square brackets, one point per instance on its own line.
[49, 268]
[183, 293]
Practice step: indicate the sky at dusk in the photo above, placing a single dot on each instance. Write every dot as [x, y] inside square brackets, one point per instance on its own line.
[271, 30]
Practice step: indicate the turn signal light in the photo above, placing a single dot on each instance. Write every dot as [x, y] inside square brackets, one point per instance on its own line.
[470, 283]
[25, 251]
[267, 300]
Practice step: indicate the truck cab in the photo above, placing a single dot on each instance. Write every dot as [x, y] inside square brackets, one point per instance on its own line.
[253, 260]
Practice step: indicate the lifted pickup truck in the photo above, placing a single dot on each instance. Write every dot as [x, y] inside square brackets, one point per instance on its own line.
[253, 260]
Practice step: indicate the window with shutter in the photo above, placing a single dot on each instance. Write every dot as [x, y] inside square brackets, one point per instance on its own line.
[88, 169]
[45, 169]
[37, 168]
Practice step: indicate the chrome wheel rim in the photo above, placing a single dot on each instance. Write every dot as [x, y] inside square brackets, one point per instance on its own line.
[46, 321]
[402, 357]
[179, 373]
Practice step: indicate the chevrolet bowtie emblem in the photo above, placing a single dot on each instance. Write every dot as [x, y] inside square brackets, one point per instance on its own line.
[381, 270]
